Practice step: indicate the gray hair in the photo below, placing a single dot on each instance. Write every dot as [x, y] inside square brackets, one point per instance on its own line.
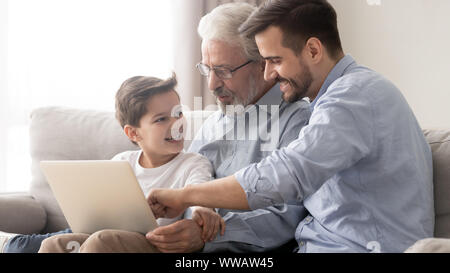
[222, 24]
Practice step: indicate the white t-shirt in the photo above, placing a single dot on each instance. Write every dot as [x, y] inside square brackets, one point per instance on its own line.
[184, 169]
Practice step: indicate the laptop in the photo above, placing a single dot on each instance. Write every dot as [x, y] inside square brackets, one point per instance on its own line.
[99, 194]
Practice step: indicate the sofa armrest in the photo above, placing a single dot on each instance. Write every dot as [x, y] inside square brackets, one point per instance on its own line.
[430, 245]
[21, 214]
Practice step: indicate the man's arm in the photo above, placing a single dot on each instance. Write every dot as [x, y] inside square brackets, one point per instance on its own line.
[339, 134]
[221, 193]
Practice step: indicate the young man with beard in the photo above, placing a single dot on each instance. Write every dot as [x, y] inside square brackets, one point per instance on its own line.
[361, 167]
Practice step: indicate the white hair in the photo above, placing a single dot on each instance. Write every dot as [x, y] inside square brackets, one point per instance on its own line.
[222, 24]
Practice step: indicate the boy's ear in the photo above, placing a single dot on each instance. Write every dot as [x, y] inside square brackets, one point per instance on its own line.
[131, 133]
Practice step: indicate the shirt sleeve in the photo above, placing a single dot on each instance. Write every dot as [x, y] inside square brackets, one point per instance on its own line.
[293, 118]
[121, 156]
[199, 170]
[259, 230]
[339, 134]
[116, 157]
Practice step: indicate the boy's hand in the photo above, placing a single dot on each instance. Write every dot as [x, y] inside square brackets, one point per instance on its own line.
[210, 221]
[166, 202]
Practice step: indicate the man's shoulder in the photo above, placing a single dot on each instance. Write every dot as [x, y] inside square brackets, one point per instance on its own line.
[361, 80]
[213, 118]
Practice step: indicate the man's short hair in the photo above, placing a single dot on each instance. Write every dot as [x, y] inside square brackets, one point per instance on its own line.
[134, 94]
[222, 24]
[298, 20]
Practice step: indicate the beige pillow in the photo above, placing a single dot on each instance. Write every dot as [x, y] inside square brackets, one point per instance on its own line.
[430, 245]
[439, 141]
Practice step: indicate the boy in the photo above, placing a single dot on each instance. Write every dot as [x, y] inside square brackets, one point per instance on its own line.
[147, 108]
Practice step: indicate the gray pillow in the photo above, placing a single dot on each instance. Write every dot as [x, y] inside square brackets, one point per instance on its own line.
[21, 214]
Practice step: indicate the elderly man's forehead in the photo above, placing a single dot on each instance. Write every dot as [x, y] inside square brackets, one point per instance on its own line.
[220, 51]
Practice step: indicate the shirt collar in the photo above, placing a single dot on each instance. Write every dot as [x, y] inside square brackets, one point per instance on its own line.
[271, 97]
[338, 71]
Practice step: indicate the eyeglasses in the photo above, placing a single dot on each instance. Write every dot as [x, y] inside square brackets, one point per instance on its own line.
[221, 72]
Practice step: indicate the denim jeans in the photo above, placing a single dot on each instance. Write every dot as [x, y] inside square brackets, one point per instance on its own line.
[29, 243]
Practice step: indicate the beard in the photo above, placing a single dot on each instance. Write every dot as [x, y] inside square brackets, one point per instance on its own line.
[300, 84]
[237, 104]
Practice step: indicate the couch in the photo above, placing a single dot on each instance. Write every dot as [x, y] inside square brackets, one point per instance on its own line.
[58, 133]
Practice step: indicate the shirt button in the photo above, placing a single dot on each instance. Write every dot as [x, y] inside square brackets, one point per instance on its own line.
[302, 243]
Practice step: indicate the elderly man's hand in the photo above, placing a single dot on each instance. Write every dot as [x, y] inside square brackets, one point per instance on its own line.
[180, 237]
[166, 203]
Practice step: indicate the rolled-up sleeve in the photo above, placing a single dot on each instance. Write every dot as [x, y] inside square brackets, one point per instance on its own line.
[339, 134]
[259, 230]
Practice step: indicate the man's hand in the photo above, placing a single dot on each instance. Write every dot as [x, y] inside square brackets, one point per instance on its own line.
[166, 203]
[180, 237]
[210, 221]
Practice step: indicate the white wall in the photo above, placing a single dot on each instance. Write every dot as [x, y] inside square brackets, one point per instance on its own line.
[3, 83]
[408, 41]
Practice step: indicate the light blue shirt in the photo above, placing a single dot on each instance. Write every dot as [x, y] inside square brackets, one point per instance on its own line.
[361, 167]
[240, 142]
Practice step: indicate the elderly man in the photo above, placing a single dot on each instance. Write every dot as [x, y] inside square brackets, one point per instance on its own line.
[235, 73]
[361, 167]
[253, 120]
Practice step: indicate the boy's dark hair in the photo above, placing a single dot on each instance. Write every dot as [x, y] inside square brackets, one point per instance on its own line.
[133, 95]
[299, 20]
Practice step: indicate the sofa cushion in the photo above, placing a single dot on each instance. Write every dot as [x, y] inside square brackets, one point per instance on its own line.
[439, 141]
[58, 133]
